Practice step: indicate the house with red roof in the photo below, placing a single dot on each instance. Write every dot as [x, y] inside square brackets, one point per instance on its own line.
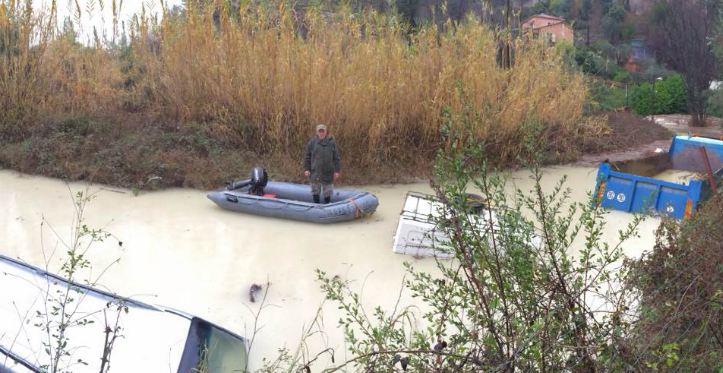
[552, 28]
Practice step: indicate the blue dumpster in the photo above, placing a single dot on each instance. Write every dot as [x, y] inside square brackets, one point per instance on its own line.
[685, 153]
[640, 194]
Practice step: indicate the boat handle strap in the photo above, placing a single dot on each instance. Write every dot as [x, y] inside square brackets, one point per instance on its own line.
[358, 210]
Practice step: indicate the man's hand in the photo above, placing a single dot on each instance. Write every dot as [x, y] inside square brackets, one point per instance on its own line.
[307, 173]
[337, 175]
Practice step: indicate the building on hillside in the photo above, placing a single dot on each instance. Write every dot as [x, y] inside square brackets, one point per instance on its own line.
[554, 29]
[639, 53]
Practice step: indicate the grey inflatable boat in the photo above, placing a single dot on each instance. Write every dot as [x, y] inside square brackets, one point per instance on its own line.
[294, 201]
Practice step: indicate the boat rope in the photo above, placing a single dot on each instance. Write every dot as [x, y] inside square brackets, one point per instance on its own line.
[358, 212]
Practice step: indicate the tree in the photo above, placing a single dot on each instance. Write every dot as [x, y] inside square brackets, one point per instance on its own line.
[561, 7]
[612, 22]
[680, 34]
[594, 24]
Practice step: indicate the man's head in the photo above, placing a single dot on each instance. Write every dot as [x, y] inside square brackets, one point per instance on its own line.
[321, 131]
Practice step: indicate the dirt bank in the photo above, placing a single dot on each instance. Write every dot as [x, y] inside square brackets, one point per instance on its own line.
[138, 153]
[678, 123]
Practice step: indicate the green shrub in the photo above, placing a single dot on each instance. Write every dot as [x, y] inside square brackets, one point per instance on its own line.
[641, 99]
[671, 96]
[605, 48]
[665, 96]
[622, 76]
[607, 97]
[588, 61]
[651, 70]
[593, 62]
[618, 53]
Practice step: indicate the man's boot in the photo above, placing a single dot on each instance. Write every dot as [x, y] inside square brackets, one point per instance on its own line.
[316, 198]
[327, 199]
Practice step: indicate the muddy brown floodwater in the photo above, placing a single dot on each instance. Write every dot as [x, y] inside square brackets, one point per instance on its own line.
[180, 250]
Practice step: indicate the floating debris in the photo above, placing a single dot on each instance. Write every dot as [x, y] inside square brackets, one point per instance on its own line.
[253, 290]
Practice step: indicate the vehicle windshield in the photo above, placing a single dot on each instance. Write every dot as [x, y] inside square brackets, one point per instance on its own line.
[212, 349]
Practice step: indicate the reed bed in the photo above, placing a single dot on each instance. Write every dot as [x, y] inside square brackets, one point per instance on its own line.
[259, 78]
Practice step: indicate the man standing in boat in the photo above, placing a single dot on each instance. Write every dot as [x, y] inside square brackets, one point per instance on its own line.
[322, 164]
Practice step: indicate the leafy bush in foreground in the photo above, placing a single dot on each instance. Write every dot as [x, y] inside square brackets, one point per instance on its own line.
[680, 289]
[514, 298]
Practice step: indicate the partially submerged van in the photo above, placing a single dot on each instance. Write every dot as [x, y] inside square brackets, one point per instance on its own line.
[150, 339]
[417, 233]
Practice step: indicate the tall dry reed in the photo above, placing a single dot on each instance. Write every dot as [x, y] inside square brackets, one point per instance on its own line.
[46, 72]
[260, 77]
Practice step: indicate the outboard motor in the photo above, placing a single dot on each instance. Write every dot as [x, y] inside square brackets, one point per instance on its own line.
[258, 181]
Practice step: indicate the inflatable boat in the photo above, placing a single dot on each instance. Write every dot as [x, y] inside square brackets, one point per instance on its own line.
[294, 201]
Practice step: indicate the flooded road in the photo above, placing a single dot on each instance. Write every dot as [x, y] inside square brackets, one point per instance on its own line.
[182, 251]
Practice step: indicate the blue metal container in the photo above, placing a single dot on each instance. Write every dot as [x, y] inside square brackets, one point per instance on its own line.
[639, 194]
[685, 153]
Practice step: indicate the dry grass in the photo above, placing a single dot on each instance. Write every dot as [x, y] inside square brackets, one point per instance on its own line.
[635, 131]
[261, 77]
[47, 73]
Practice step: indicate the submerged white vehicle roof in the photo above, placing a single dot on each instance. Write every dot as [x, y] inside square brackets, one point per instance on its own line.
[417, 232]
[151, 338]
